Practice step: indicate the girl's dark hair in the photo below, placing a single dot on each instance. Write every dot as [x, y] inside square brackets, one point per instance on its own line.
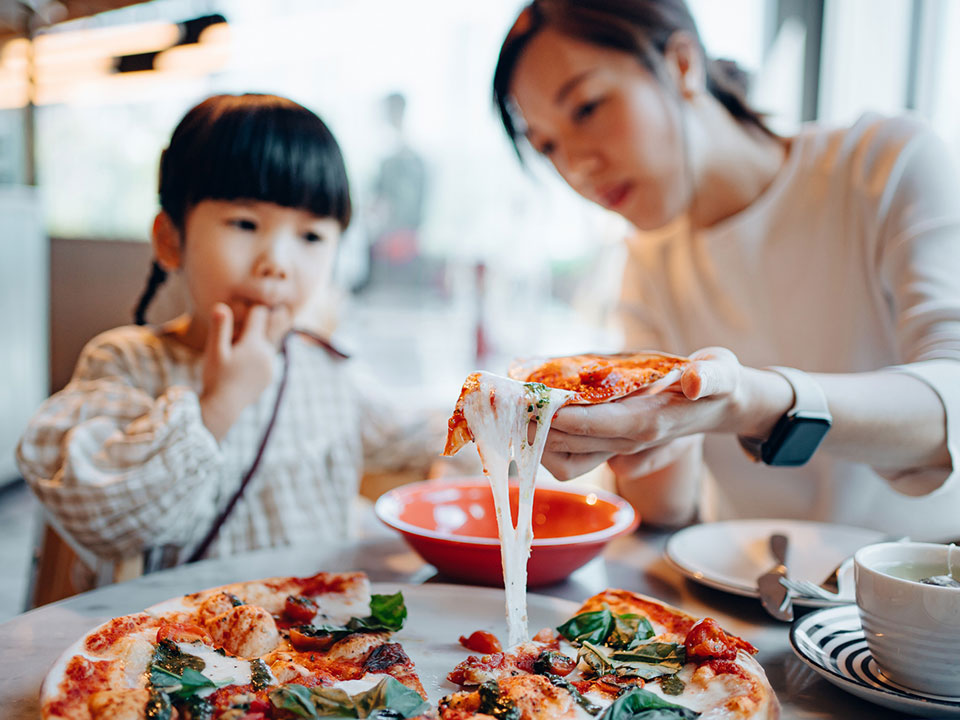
[639, 27]
[249, 147]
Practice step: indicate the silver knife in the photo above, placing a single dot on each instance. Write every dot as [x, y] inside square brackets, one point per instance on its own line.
[776, 599]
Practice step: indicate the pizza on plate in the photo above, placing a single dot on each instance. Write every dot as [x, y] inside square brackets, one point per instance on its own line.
[277, 648]
[324, 646]
[623, 656]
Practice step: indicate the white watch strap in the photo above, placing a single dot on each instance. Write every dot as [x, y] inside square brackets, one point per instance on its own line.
[808, 396]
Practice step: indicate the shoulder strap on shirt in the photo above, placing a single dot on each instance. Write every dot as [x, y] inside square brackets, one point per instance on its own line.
[322, 342]
[208, 539]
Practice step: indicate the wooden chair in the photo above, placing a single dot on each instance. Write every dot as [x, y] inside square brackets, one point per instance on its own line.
[57, 570]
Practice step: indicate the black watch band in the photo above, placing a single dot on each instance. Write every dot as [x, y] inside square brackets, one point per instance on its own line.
[798, 434]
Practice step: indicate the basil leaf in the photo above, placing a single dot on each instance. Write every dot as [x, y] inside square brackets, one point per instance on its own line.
[158, 706]
[648, 661]
[332, 702]
[295, 698]
[259, 674]
[388, 610]
[595, 658]
[389, 696]
[196, 708]
[639, 704]
[602, 627]
[592, 627]
[629, 630]
[178, 673]
[653, 652]
[191, 681]
[387, 614]
[491, 703]
[672, 685]
[578, 698]
[387, 699]
[169, 662]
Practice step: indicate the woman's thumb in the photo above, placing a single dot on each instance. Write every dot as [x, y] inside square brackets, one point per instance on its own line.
[708, 373]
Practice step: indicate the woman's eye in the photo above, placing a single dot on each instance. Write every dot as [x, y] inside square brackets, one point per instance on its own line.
[583, 111]
[243, 224]
[547, 149]
[312, 237]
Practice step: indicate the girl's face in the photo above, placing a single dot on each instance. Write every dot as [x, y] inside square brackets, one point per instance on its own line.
[246, 253]
[611, 130]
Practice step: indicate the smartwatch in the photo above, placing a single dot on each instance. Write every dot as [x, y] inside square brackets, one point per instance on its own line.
[797, 434]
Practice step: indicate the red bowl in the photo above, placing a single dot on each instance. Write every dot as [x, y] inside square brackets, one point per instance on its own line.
[452, 525]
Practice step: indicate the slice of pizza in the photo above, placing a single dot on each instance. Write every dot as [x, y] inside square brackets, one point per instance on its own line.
[623, 655]
[277, 648]
[597, 378]
[509, 419]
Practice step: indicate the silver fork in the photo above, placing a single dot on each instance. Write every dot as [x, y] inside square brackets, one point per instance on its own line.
[805, 588]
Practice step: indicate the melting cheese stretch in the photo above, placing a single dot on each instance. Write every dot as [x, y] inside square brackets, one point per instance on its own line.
[498, 416]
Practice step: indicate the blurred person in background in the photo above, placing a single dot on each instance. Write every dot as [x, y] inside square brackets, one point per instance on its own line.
[226, 429]
[397, 203]
[833, 256]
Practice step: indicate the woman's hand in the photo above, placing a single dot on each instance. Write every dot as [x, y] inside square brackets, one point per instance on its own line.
[236, 372]
[709, 397]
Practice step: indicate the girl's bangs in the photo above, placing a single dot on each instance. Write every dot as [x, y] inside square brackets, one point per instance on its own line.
[285, 157]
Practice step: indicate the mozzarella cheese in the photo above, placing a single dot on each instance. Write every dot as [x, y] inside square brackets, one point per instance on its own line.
[498, 415]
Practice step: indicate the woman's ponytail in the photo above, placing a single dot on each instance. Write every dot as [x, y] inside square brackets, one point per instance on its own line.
[157, 277]
[728, 83]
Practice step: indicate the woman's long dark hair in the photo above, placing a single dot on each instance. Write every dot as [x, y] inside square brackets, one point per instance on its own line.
[641, 28]
[249, 147]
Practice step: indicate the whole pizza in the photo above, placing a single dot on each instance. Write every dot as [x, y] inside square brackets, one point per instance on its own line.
[325, 646]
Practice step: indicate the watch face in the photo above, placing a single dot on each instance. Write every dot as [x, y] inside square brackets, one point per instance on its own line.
[794, 440]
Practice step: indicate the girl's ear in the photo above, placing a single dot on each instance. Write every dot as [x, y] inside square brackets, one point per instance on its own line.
[684, 63]
[167, 246]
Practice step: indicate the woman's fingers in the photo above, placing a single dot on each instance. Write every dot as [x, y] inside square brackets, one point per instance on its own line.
[604, 420]
[566, 466]
[561, 442]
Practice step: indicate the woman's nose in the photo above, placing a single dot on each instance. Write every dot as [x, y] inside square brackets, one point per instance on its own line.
[581, 164]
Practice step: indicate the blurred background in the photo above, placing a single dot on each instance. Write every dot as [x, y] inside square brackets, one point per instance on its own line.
[457, 259]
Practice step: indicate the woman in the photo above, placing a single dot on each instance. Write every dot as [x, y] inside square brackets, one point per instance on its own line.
[834, 252]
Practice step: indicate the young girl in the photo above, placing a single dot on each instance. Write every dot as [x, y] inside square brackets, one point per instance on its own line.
[146, 449]
[835, 252]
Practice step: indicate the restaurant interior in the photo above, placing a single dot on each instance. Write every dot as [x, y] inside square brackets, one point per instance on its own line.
[457, 258]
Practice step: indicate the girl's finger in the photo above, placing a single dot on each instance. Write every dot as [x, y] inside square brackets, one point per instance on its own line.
[279, 323]
[256, 324]
[566, 466]
[220, 337]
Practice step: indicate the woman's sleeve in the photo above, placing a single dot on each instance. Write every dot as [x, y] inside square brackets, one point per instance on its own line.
[118, 469]
[919, 256]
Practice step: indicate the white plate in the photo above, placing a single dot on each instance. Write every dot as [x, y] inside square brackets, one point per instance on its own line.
[731, 555]
[831, 642]
[437, 615]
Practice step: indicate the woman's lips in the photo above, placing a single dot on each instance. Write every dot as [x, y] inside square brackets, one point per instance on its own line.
[614, 196]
